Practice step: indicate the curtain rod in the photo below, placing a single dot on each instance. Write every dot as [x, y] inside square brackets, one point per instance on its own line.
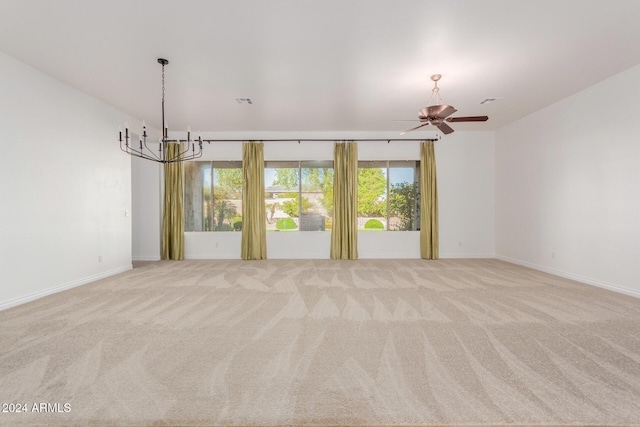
[308, 140]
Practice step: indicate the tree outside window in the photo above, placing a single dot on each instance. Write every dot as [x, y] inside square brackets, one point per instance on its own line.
[387, 195]
[213, 196]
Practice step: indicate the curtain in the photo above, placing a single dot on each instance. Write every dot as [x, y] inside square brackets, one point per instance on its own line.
[428, 202]
[173, 211]
[344, 230]
[254, 228]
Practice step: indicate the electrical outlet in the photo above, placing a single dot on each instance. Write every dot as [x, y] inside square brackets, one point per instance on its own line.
[99, 258]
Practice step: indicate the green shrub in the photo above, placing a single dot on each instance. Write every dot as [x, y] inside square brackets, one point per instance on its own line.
[290, 207]
[286, 224]
[328, 222]
[236, 222]
[223, 227]
[373, 224]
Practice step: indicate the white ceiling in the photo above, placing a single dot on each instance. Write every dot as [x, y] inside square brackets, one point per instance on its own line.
[343, 65]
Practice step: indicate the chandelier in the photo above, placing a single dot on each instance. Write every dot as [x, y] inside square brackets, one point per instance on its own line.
[187, 149]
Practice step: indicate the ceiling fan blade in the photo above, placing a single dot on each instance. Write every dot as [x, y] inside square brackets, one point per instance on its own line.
[445, 128]
[467, 119]
[416, 120]
[417, 127]
[441, 111]
[447, 111]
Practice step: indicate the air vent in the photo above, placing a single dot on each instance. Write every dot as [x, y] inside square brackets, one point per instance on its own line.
[490, 100]
[244, 101]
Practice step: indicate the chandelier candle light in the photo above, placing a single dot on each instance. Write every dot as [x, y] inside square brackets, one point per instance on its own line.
[161, 155]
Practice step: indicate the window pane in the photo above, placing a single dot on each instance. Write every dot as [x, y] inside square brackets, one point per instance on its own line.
[227, 196]
[281, 183]
[372, 196]
[317, 195]
[197, 196]
[402, 195]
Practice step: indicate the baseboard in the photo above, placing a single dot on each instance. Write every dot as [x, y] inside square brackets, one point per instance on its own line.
[146, 258]
[388, 256]
[467, 256]
[298, 256]
[36, 295]
[577, 278]
[269, 256]
[295, 256]
[210, 256]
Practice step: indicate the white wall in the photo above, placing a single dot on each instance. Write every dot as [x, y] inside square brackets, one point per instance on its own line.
[465, 167]
[466, 194]
[65, 189]
[146, 209]
[568, 186]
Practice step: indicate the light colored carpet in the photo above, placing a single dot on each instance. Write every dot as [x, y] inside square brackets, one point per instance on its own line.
[368, 342]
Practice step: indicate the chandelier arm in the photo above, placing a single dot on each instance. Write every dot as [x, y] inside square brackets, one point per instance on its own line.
[182, 159]
[136, 153]
[125, 143]
[189, 147]
[140, 153]
[129, 149]
[194, 154]
[150, 150]
[175, 158]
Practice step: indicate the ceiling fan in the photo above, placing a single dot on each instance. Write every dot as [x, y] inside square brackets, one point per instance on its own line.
[437, 114]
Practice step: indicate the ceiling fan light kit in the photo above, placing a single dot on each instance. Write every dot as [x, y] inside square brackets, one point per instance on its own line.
[438, 113]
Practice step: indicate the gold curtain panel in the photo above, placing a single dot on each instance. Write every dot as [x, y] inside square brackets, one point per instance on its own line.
[428, 202]
[344, 232]
[173, 210]
[254, 228]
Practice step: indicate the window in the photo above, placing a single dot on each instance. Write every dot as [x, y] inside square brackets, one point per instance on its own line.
[213, 196]
[403, 196]
[388, 195]
[298, 195]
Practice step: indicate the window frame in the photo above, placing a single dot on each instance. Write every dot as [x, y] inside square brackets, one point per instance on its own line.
[388, 165]
[212, 165]
[299, 165]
